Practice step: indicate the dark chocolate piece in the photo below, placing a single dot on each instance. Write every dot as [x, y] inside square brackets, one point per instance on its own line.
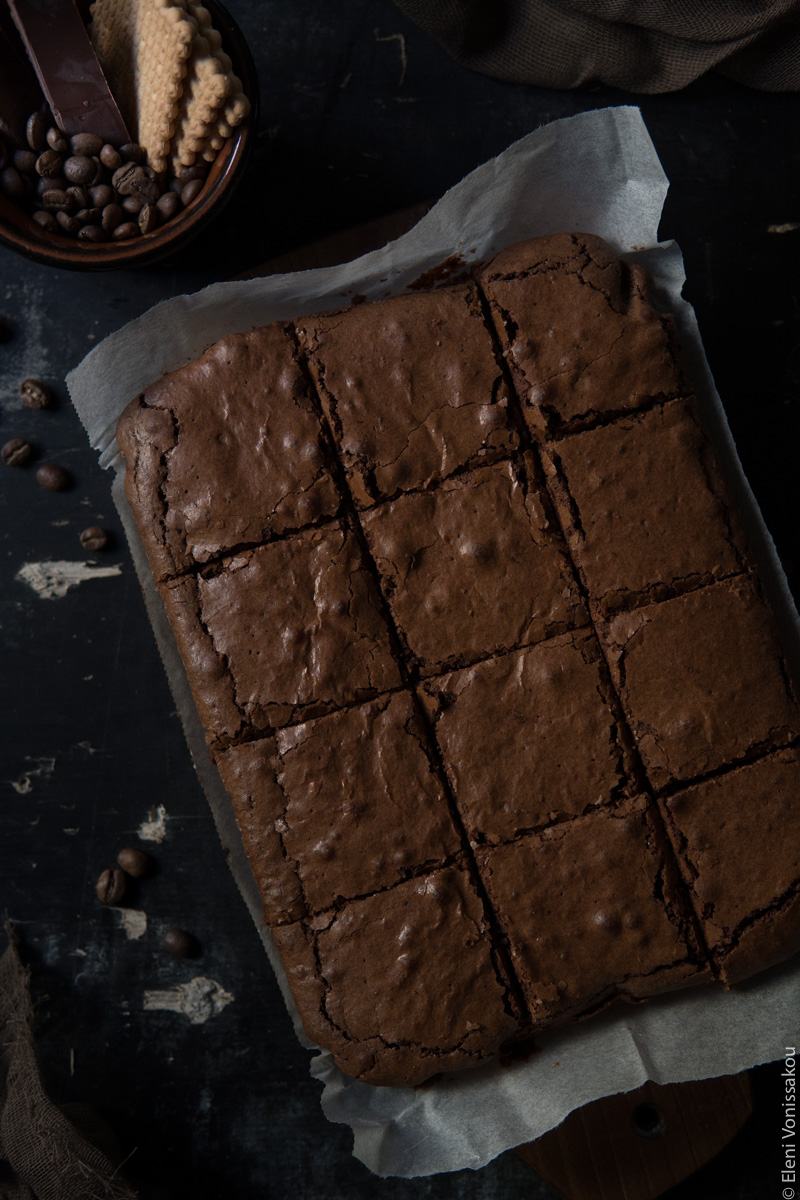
[365, 985]
[411, 387]
[474, 567]
[581, 338]
[737, 837]
[702, 680]
[243, 411]
[66, 65]
[529, 738]
[645, 507]
[593, 912]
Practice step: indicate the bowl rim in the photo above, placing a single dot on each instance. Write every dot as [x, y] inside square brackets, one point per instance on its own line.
[26, 238]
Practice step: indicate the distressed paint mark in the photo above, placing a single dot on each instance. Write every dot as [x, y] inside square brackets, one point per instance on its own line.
[789, 227]
[133, 921]
[401, 41]
[199, 999]
[23, 785]
[52, 580]
[154, 829]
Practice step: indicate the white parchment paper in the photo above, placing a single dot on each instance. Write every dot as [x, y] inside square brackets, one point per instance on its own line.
[597, 172]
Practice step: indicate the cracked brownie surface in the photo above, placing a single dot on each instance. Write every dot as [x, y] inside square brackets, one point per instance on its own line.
[529, 738]
[644, 507]
[225, 452]
[411, 387]
[580, 335]
[702, 680]
[352, 798]
[748, 903]
[457, 585]
[473, 568]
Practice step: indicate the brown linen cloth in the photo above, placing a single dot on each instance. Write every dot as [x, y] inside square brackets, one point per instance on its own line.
[43, 1155]
[638, 45]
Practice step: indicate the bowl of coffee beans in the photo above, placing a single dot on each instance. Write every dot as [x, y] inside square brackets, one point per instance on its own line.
[84, 201]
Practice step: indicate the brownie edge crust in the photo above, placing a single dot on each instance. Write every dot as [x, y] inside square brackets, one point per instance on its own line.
[481, 655]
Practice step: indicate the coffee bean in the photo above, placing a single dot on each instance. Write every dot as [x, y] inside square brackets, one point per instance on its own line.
[79, 169]
[101, 195]
[148, 218]
[113, 216]
[11, 184]
[110, 157]
[35, 394]
[57, 183]
[49, 165]
[53, 477]
[126, 230]
[25, 161]
[67, 224]
[92, 233]
[191, 191]
[180, 943]
[85, 144]
[94, 538]
[133, 862]
[176, 186]
[133, 204]
[198, 171]
[36, 132]
[133, 152]
[80, 196]
[16, 452]
[121, 179]
[89, 216]
[47, 221]
[111, 887]
[56, 140]
[99, 175]
[56, 200]
[168, 205]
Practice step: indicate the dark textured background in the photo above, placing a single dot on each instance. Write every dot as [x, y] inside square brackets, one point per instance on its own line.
[227, 1108]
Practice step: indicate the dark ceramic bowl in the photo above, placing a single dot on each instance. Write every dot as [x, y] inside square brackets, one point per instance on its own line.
[21, 233]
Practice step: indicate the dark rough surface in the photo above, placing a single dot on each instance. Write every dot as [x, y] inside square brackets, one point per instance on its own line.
[228, 1108]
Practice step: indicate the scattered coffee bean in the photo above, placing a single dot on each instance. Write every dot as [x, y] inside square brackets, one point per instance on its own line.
[126, 230]
[11, 185]
[134, 862]
[16, 452]
[25, 161]
[36, 132]
[47, 221]
[92, 233]
[56, 140]
[94, 538]
[49, 164]
[110, 157]
[190, 191]
[168, 205]
[133, 152]
[65, 222]
[101, 195]
[78, 169]
[180, 943]
[111, 887]
[35, 394]
[148, 218]
[53, 477]
[85, 144]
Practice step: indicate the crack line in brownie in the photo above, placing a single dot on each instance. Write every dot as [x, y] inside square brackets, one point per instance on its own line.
[756, 753]
[638, 773]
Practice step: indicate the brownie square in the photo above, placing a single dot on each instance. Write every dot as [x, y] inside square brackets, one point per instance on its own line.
[528, 737]
[352, 799]
[473, 568]
[284, 632]
[225, 452]
[644, 506]
[592, 910]
[702, 680]
[581, 337]
[402, 985]
[737, 837]
[411, 387]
